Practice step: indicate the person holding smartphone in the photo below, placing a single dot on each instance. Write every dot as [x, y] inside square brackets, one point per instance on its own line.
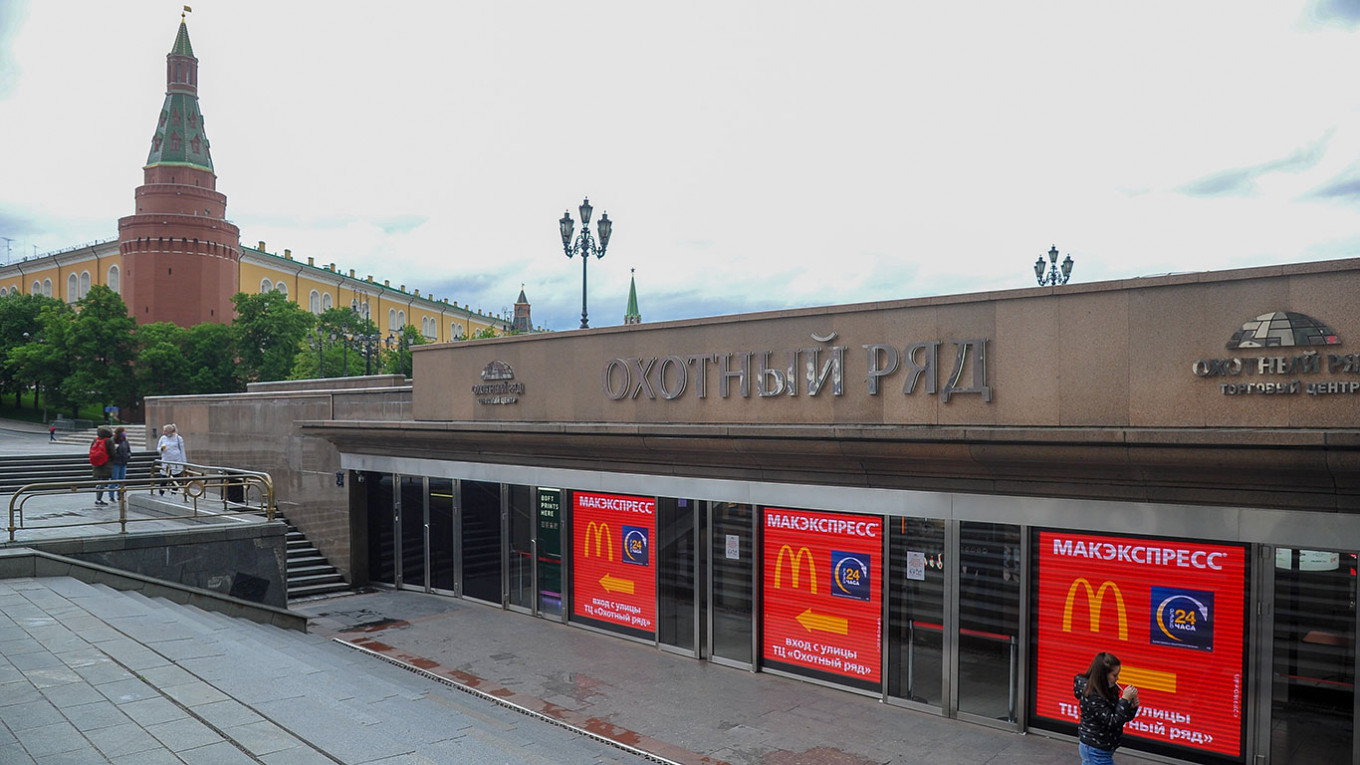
[1104, 709]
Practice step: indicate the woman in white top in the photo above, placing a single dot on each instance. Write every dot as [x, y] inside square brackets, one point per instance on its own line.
[171, 449]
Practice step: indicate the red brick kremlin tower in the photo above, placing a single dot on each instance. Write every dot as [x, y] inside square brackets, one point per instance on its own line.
[178, 249]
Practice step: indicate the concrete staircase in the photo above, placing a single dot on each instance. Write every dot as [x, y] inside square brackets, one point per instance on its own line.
[116, 676]
[309, 574]
[136, 435]
[19, 471]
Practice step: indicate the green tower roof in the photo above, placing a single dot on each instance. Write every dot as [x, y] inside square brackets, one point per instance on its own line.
[180, 138]
[632, 315]
[182, 45]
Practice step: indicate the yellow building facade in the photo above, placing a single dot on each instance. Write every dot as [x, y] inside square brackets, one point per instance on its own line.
[69, 274]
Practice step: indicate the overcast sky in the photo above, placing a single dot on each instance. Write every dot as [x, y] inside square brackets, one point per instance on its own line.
[752, 155]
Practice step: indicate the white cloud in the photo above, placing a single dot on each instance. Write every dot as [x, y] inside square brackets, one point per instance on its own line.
[752, 156]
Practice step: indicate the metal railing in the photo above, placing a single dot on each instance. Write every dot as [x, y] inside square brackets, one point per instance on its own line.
[238, 492]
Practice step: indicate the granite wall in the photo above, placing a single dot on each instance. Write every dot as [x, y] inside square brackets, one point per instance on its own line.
[246, 561]
[255, 430]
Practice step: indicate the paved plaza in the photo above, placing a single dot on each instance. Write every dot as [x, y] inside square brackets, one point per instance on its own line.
[90, 675]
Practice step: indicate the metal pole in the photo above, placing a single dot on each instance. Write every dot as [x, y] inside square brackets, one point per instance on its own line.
[585, 259]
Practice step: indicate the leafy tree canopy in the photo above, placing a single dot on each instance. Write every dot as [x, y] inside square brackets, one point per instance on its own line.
[100, 350]
[268, 331]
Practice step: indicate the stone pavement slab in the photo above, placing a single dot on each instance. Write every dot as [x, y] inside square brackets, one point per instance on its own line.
[192, 702]
[676, 707]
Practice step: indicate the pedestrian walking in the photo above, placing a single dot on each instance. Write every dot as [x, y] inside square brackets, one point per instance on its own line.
[122, 455]
[171, 448]
[52, 432]
[1104, 709]
[101, 462]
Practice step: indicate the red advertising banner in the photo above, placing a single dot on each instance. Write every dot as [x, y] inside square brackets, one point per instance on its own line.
[613, 571]
[1171, 610]
[823, 578]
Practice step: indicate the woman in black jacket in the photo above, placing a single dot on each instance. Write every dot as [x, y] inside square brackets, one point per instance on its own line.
[1104, 710]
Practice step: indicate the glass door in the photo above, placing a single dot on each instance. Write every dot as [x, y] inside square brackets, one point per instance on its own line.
[1312, 644]
[988, 635]
[677, 569]
[442, 541]
[520, 555]
[732, 582]
[481, 537]
[411, 521]
[548, 542]
[916, 607]
[382, 527]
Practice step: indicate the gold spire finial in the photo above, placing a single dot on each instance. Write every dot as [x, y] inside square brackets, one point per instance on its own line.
[187, 10]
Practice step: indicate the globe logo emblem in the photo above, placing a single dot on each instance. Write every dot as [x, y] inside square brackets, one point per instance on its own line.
[635, 545]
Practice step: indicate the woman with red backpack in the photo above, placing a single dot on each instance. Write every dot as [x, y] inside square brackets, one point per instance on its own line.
[101, 462]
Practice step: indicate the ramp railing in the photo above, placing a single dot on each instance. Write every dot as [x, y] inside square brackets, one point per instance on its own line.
[207, 491]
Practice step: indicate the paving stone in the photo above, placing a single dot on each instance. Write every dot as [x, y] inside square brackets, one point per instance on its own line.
[99, 714]
[192, 693]
[125, 739]
[72, 694]
[126, 689]
[50, 739]
[151, 711]
[155, 757]
[82, 756]
[262, 737]
[183, 734]
[32, 714]
[222, 753]
[297, 756]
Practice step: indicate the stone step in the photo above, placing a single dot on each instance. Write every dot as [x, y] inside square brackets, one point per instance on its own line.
[314, 590]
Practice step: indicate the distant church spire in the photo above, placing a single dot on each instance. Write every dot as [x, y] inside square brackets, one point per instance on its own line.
[522, 322]
[632, 316]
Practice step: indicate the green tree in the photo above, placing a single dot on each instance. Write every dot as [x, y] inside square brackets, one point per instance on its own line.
[208, 357]
[161, 368]
[335, 346]
[267, 333]
[397, 357]
[100, 351]
[19, 326]
[45, 360]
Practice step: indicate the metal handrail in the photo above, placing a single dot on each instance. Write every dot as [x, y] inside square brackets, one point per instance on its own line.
[195, 481]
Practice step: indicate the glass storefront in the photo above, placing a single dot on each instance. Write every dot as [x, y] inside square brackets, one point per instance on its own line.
[549, 541]
[978, 620]
[520, 572]
[380, 502]
[481, 534]
[988, 635]
[1313, 656]
[732, 583]
[411, 520]
[442, 539]
[916, 607]
[677, 572]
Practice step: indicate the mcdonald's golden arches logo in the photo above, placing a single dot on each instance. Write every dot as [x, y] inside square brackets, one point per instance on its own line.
[1095, 603]
[795, 559]
[599, 531]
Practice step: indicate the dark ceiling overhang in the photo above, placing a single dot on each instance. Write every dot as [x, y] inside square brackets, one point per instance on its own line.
[1268, 468]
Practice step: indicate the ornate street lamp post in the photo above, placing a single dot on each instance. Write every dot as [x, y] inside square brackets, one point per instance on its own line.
[584, 245]
[370, 343]
[320, 350]
[1053, 277]
[398, 344]
[367, 340]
